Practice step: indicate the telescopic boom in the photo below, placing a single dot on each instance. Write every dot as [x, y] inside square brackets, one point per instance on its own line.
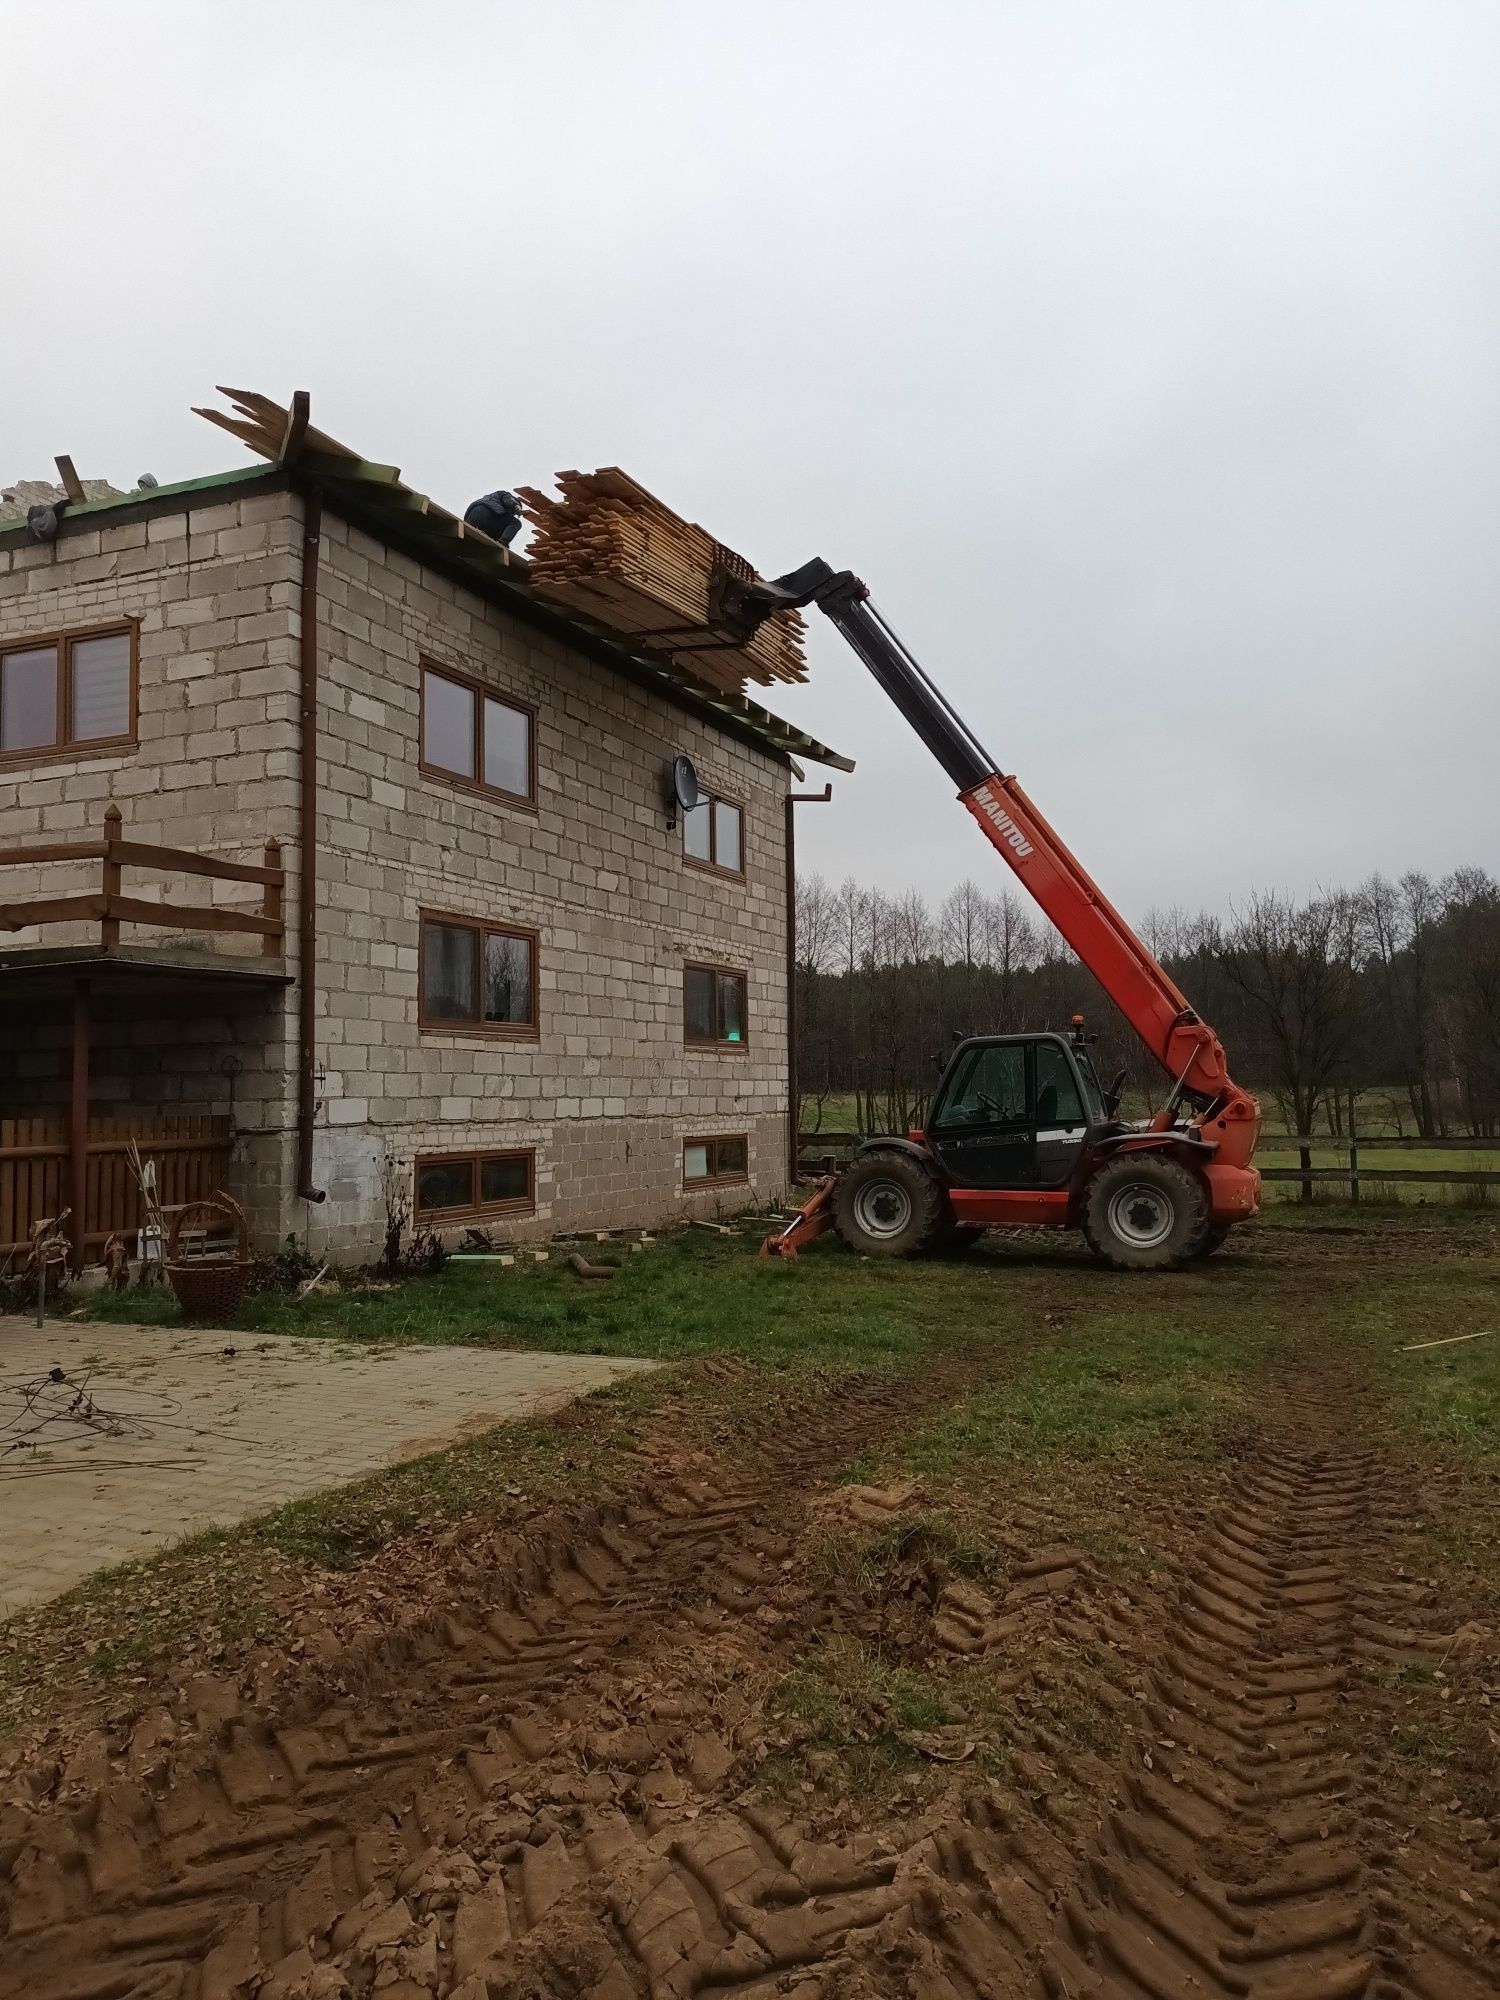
[1185, 1046]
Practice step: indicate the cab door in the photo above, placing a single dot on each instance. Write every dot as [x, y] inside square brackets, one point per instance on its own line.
[1061, 1116]
[981, 1130]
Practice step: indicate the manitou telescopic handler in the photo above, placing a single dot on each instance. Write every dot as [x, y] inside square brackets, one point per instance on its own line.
[1020, 1131]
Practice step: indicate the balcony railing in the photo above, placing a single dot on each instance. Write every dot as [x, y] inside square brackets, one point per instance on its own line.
[110, 907]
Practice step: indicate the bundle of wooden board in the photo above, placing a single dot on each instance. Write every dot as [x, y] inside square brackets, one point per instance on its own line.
[610, 549]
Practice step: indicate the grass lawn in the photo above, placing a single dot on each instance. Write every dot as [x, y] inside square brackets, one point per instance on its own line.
[691, 1292]
[1093, 1373]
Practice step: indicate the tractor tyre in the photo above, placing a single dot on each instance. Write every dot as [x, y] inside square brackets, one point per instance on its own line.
[888, 1204]
[1145, 1212]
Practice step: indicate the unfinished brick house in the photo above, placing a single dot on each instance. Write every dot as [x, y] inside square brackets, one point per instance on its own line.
[336, 863]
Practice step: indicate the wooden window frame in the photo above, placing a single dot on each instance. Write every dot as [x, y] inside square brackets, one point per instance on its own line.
[64, 642]
[717, 1042]
[508, 1031]
[713, 866]
[439, 1218]
[738, 1177]
[479, 689]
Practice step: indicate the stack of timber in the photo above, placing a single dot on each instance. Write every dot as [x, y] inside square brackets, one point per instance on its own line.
[611, 550]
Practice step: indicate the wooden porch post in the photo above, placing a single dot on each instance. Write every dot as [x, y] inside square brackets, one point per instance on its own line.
[78, 1127]
[273, 943]
[109, 928]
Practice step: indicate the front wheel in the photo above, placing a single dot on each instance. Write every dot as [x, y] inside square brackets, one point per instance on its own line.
[889, 1205]
[1144, 1212]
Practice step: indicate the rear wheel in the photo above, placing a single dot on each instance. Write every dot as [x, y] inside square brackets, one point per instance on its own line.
[1144, 1212]
[1217, 1237]
[889, 1205]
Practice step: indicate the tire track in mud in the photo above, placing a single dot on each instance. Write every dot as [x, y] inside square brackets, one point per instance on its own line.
[1243, 1853]
[526, 1805]
[190, 1889]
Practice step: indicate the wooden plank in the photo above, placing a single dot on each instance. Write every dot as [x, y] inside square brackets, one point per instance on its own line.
[612, 548]
[294, 436]
[52, 850]
[73, 486]
[182, 861]
[188, 917]
[51, 910]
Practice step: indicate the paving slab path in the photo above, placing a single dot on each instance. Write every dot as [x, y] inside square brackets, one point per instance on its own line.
[117, 1440]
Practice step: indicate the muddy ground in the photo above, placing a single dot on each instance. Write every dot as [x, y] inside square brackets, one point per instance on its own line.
[814, 1700]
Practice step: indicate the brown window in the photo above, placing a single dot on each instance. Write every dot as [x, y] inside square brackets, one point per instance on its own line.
[713, 1005]
[470, 735]
[725, 1159]
[477, 976]
[457, 1184]
[713, 835]
[72, 690]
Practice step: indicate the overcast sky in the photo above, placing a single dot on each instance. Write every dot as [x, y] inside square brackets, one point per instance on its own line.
[1144, 358]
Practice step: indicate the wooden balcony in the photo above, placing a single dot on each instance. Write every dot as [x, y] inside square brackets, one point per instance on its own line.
[110, 907]
[52, 1165]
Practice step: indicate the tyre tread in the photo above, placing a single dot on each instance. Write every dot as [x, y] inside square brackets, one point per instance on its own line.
[1192, 1198]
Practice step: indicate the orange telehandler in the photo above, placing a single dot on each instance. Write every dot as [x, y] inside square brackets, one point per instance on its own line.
[1020, 1130]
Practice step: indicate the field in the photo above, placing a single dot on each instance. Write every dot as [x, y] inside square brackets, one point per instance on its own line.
[1000, 1626]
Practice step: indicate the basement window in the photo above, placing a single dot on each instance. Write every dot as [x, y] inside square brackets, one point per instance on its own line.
[70, 690]
[713, 1006]
[477, 977]
[713, 1162]
[451, 1185]
[713, 835]
[471, 737]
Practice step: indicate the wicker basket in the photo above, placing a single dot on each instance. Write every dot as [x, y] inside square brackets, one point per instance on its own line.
[211, 1284]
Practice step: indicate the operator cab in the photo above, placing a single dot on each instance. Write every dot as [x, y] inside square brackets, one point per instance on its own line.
[1015, 1111]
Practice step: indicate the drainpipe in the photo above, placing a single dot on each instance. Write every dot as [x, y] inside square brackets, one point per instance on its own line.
[793, 1099]
[307, 890]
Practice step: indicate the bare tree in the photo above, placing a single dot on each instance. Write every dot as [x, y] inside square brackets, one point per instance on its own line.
[849, 923]
[818, 923]
[961, 923]
[1393, 991]
[1399, 922]
[1471, 962]
[1297, 966]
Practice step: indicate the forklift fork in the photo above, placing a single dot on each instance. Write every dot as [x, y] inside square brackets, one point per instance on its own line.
[811, 1221]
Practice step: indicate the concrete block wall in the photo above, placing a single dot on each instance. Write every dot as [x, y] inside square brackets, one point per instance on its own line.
[607, 1091]
[210, 588]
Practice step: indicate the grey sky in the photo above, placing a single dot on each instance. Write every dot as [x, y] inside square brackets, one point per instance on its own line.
[1144, 358]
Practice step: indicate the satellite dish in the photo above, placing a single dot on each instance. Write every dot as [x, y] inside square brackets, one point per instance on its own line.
[684, 783]
[679, 788]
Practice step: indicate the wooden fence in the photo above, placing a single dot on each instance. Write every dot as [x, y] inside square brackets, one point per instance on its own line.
[191, 1151]
[1356, 1174]
[817, 1152]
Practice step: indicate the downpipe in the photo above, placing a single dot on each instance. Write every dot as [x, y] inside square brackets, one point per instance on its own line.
[307, 890]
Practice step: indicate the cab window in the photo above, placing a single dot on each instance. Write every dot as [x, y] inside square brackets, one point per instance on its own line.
[1057, 1098]
[989, 1089]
